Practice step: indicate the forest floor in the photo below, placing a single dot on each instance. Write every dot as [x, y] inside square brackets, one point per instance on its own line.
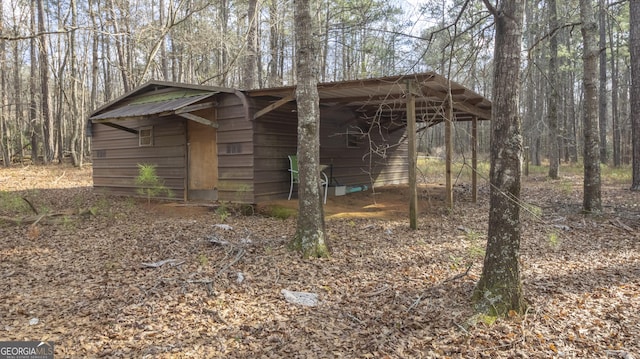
[75, 274]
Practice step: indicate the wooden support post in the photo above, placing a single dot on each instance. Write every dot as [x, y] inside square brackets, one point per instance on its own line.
[448, 142]
[474, 159]
[413, 157]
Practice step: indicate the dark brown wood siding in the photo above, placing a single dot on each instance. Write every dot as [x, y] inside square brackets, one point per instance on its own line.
[275, 137]
[235, 151]
[377, 158]
[117, 153]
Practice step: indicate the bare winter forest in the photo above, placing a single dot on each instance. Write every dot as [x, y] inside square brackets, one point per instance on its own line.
[61, 60]
[545, 95]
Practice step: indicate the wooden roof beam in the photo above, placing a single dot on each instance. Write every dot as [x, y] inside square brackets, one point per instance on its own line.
[281, 102]
[198, 119]
[120, 127]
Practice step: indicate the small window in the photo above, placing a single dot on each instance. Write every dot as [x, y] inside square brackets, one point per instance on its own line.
[234, 148]
[145, 136]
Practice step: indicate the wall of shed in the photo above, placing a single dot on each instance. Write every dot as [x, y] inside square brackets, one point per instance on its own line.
[235, 151]
[275, 137]
[116, 155]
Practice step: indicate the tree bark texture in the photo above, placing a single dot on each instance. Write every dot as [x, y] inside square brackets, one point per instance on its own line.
[251, 57]
[592, 200]
[615, 114]
[310, 235]
[35, 127]
[555, 136]
[47, 118]
[499, 289]
[634, 49]
[602, 99]
[5, 133]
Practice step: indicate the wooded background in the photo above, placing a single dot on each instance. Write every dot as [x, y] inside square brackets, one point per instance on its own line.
[59, 60]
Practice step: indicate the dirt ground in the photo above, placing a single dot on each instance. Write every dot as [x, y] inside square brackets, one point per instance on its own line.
[81, 273]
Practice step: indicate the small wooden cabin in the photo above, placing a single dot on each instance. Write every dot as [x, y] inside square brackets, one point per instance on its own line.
[210, 143]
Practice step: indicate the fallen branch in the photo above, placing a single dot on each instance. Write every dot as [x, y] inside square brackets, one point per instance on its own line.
[217, 241]
[619, 224]
[59, 178]
[240, 254]
[460, 275]
[158, 264]
[33, 208]
[32, 220]
[379, 291]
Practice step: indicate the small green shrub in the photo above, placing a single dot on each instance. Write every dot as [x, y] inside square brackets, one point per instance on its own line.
[554, 240]
[150, 185]
[223, 212]
[203, 260]
[531, 209]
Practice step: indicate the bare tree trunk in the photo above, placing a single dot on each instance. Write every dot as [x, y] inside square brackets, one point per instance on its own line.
[572, 131]
[223, 56]
[48, 126]
[17, 99]
[554, 134]
[251, 59]
[602, 104]
[5, 132]
[592, 200]
[615, 115]
[311, 237]
[626, 122]
[121, 48]
[529, 88]
[634, 49]
[106, 68]
[33, 79]
[95, 61]
[274, 40]
[164, 64]
[76, 143]
[499, 290]
[60, 111]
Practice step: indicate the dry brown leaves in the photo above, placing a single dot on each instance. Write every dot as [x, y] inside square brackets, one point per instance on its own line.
[387, 291]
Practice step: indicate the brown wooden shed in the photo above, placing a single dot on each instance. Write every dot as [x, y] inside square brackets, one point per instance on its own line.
[211, 143]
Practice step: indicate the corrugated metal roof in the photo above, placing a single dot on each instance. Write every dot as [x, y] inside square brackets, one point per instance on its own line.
[153, 106]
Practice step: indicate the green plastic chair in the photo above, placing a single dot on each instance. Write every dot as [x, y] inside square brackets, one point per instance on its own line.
[293, 170]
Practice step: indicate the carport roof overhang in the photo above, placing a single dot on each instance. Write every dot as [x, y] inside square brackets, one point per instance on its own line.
[387, 97]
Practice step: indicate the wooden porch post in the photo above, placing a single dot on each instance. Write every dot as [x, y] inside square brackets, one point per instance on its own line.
[474, 159]
[448, 141]
[413, 157]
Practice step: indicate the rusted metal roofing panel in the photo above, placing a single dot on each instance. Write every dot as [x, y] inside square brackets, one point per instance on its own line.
[151, 106]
